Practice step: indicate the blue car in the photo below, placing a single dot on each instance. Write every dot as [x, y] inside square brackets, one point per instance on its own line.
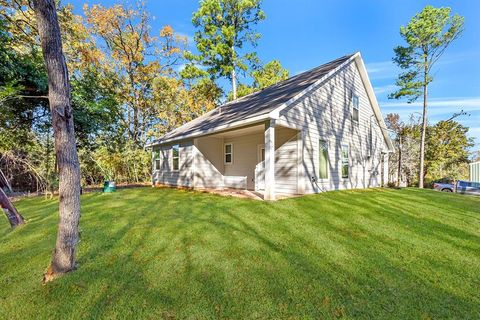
[464, 187]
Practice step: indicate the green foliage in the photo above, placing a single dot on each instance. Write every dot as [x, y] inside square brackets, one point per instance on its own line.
[21, 75]
[224, 28]
[447, 151]
[263, 77]
[172, 254]
[125, 163]
[427, 35]
[269, 74]
[242, 90]
[96, 109]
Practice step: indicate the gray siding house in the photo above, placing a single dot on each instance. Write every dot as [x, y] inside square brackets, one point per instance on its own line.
[317, 131]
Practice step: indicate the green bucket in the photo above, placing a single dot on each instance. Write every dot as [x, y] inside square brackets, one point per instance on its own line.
[109, 186]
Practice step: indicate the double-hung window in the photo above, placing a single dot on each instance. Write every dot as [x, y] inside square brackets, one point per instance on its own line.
[323, 159]
[156, 155]
[345, 161]
[228, 153]
[355, 108]
[175, 157]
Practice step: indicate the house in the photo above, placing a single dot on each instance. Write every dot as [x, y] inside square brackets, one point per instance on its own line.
[319, 130]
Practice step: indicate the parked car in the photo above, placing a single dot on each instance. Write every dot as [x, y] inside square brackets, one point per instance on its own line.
[465, 187]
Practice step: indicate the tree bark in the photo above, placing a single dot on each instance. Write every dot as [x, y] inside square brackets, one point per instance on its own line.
[399, 173]
[234, 84]
[234, 74]
[11, 212]
[424, 126]
[64, 255]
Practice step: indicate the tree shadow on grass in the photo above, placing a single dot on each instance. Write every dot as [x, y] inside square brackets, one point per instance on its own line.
[177, 254]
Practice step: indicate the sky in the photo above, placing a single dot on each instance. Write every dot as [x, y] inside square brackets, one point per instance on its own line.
[303, 34]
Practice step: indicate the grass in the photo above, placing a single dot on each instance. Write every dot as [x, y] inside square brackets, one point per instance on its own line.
[164, 253]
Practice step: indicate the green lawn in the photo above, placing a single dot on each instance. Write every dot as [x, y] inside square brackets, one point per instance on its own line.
[164, 253]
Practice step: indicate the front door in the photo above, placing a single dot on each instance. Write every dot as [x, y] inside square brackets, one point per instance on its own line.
[260, 168]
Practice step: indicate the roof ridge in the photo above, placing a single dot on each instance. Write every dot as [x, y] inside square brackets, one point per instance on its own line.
[347, 56]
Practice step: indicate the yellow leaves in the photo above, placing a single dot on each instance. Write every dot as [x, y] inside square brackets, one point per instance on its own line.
[166, 31]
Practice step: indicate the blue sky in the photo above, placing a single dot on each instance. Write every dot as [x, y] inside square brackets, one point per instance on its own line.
[303, 34]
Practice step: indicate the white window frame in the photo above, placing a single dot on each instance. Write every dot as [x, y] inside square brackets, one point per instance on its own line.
[177, 157]
[225, 153]
[357, 108]
[342, 162]
[328, 160]
[156, 159]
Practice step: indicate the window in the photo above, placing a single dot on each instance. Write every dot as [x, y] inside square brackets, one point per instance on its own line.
[228, 153]
[175, 157]
[345, 162]
[355, 108]
[156, 155]
[323, 159]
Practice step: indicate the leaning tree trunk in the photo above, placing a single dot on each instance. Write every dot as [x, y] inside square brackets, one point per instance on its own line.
[13, 216]
[64, 255]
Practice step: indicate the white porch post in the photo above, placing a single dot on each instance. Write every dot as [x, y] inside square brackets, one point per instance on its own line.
[270, 160]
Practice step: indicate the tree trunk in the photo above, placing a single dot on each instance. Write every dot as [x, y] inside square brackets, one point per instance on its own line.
[13, 216]
[424, 127]
[234, 84]
[64, 255]
[399, 174]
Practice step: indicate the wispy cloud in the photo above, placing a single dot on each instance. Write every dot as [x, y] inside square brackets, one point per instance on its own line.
[382, 70]
[455, 102]
[384, 89]
[388, 69]
[441, 109]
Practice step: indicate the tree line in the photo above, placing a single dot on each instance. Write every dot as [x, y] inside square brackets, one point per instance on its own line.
[447, 151]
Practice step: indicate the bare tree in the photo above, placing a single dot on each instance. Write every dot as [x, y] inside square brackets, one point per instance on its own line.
[64, 255]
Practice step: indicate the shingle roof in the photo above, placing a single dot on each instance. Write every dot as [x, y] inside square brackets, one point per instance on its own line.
[253, 105]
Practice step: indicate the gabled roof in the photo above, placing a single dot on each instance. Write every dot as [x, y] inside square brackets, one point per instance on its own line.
[259, 106]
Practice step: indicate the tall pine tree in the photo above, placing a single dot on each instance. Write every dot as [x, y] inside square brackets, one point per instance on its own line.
[225, 28]
[427, 35]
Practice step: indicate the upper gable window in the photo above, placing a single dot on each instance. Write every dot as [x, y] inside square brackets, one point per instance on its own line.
[355, 108]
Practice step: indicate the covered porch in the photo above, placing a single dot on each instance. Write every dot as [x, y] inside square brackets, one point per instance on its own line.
[262, 158]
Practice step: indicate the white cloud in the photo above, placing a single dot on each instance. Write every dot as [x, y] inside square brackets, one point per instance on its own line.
[471, 103]
[382, 70]
[384, 89]
[388, 69]
[441, 109]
